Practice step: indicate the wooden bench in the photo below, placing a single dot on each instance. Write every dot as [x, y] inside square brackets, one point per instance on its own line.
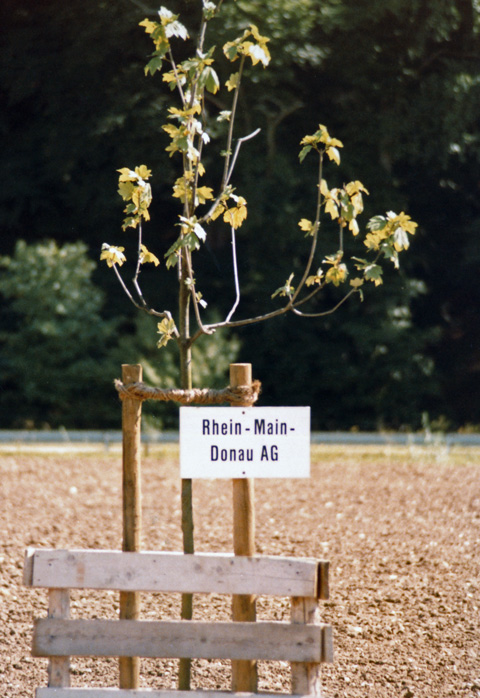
[304, 641]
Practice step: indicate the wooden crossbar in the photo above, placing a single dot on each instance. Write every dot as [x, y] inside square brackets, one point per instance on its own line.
[305, 642]
[95, 692]
[175, 572]
[170, 639]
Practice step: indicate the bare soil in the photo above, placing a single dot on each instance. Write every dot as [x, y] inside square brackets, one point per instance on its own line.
[400, 526]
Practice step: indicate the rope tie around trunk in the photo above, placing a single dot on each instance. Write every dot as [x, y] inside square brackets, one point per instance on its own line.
[242, 394]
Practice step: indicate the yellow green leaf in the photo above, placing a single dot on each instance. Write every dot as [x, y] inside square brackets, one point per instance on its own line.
[231, 50]
[309, 140]
[331, 208]
[149, 26]
[142, 196]
[354, 191]
[324, 137]
[171, 76]
[258, 54]
[373, 240]
[256, 50]
[400, 240]
[353, 226]
[112, 255]
[191, 111]
[126, 189]
[217, 211]
[166, 330]
[237, 214]
[233, 81]
[355, 187]
[331, 202]
[336, 274]
[324, 188]
[126, 175]
[146, 256]
[306, 225]
[315, 279]
[204, 194]
[180, 189]
[257, 36]
[373, 272]
[143, 172]
[402, 220]
[173, 131]
[333, 154]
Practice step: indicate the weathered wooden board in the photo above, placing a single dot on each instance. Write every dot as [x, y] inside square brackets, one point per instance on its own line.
[59, 667]
[146, 693]
[305, 675]
[327, 644]
[175, 572]
[126, 638]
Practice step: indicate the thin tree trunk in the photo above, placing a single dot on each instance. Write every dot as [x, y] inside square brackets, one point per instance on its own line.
[186, 501]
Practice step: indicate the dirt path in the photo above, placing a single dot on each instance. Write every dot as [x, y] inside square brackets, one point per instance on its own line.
[401, 528]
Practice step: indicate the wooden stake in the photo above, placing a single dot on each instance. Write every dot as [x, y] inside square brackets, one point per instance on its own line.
[132, 510]
[244, 672]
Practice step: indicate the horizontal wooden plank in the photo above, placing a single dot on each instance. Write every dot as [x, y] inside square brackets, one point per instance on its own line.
[129, 638]
[175, 572]
[147, 693]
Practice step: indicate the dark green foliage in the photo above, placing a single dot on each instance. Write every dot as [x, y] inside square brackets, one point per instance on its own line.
[54, 343]
[397, 82]
[59, 355]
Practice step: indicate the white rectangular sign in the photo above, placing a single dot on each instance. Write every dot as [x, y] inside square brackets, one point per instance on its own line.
[238, 442]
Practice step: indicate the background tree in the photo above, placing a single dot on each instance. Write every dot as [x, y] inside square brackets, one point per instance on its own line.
[54, 342]
[59, 352]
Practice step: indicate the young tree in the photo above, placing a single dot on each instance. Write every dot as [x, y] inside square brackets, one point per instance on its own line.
[191, 126]
[190, 129]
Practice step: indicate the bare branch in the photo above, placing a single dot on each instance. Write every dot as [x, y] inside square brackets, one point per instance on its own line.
[316, 228]
[177, 80]
[203, 328]
[232, 122]
[143, 306]
[212, 208]
[237, 150]
[310, 295]
[326, 312]
[235, 276]
[139, 257]
[252, 320]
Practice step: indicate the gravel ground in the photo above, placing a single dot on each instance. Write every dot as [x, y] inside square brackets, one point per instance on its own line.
[400, 526]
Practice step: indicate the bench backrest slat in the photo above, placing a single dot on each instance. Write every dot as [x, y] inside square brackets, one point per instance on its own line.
[175, 572]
